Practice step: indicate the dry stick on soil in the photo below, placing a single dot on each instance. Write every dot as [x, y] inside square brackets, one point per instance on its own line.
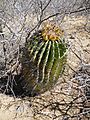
[54, 15]
[40, 19]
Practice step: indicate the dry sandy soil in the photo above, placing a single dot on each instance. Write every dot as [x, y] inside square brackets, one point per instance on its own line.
[50, 105]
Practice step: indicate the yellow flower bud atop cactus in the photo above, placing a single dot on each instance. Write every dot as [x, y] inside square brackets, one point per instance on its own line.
[51, 32]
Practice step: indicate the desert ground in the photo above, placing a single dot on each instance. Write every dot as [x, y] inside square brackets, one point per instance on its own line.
[70, 97]
[52, 105]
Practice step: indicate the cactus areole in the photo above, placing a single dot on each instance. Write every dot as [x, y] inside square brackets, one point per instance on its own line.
[43, 59]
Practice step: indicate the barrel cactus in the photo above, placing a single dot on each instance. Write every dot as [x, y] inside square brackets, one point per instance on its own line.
[43, 59]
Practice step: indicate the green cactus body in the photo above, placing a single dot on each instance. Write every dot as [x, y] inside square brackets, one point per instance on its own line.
[42, 63]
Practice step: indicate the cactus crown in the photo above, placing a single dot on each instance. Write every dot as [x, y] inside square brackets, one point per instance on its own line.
[52, 32]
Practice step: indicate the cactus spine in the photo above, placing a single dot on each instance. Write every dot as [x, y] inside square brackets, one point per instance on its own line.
[43, 59]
